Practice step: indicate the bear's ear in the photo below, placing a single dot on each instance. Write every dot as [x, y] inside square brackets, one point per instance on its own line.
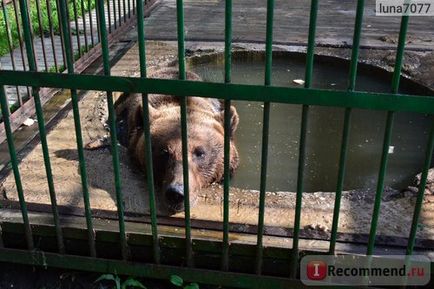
[153, 114]
[233, 116]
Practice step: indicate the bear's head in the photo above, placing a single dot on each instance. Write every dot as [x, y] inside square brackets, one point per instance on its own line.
[205, 150]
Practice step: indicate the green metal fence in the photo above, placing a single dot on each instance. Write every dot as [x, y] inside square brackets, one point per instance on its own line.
[49, 43]
[349, 99]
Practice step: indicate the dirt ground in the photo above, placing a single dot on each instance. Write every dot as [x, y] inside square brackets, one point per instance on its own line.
[317, 213]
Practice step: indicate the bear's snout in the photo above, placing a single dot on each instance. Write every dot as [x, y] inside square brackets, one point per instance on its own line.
[175, 196]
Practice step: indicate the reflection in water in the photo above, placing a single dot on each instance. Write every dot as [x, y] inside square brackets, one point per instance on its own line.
[324, 131]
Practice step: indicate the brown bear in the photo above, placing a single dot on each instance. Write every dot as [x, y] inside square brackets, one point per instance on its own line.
[205, 120]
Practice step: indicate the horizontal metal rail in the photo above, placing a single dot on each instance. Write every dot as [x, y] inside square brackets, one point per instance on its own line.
[70, 262]
[322, 97]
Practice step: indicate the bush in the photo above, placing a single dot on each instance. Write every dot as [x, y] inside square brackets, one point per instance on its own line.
[10, 13]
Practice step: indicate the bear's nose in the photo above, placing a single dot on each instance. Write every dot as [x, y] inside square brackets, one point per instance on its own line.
[175, 194]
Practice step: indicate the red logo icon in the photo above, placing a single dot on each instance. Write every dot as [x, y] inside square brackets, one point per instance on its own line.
[316, 270]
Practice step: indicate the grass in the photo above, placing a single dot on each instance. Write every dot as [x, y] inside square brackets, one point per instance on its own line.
[10, 13]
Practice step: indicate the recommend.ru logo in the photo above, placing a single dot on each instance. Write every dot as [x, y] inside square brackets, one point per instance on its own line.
[365, 270]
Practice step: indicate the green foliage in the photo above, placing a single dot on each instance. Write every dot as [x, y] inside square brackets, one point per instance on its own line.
[129, 283]
[179, 282]
[10, 15]
[83, 50]
[110, 277]
[192, 286]
[176, 280]
[53, 68]
[133, 283]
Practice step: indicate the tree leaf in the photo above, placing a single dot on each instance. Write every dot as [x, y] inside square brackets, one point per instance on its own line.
[106, 277]
[176, 280]
[192, 286]
[110, 277]
[130, 282]
[118, 282]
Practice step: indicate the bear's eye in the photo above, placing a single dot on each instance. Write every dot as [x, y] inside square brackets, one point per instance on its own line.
[164, 152]
[199, 152]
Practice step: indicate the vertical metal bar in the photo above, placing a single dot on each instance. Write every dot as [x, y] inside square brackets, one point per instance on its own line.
[77, 29]
[20, 37]
[62, 44]
[113, 134]
[98, 22]
[10, 46]
[83, 19]
[41, 32]
[184, 131]
[109, 17]
[91, 22]
[17, 21]
[387, 136]
[134, 7]
[14, 163]
[303, 130]
[346, 128]
[311, 44]
[380, 183]
[31, 34]
[50, 25]
[114, 14]
[1, 238]
[227, 125]
[79, 139]
[124, 7]
[119, 12]
[41, 125]
[181, 40]
[356, 44]
[129, 9]
[421, 192]
[70, 30]
[147, 133]
[399, 54]
[265, 133]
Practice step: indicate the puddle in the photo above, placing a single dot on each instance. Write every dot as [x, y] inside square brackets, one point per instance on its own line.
[410, 131]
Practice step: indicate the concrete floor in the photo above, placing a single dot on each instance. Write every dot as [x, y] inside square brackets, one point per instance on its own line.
[204, 21]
